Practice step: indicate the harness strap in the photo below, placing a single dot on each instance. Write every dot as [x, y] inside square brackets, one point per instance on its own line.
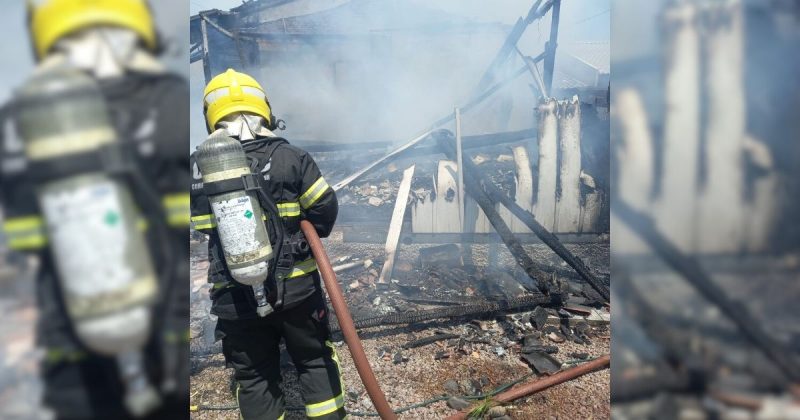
[248, 182]
[113, 159]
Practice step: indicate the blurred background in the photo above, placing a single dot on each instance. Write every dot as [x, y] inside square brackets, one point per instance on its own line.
[704, 238]
[21, 388]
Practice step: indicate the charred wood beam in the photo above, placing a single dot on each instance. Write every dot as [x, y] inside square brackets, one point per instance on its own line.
[469, 142]
[550, 47]
[511, 42]
[483, 140]
[489, 308]
[537, 77]
[326, 146]
[691, 270]
[543, 280]
[195, 52]
[216, 26]
[206, 63]
[433, 301]
[470, 311]
[474, 176]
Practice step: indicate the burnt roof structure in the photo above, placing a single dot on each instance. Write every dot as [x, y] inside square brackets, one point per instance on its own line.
[239, 36]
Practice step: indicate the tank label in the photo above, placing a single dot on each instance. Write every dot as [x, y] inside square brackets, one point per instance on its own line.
[88, 238]
[236, 225]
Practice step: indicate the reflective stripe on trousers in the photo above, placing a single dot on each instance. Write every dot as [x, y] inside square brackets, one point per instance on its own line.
[335, 403]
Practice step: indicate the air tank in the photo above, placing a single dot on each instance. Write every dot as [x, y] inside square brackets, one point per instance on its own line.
[93, 225]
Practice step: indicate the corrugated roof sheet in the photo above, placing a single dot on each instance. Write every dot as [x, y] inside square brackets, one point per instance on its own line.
[596, 54]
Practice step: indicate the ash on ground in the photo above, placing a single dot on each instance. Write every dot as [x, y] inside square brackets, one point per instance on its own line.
[443, 358]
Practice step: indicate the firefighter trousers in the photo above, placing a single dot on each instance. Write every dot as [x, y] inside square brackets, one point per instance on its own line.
[251, 348]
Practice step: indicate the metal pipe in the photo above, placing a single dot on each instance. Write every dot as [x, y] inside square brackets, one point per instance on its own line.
[541, 384]
[346, 323]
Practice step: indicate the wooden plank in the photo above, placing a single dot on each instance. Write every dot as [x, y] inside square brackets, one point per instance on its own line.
[568, 205]
[396, 226]
[545, 208]
[761, 211]
[720, 221]
[636, 177]
[675, 210]
[460, 163]
[422, 215]
[592, 203]
[524, 188]
[445, 207]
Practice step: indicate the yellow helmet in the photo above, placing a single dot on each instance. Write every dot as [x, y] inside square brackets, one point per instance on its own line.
[232, 92]
[50, 20]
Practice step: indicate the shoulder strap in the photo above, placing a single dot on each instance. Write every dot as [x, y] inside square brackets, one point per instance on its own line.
[256, 164]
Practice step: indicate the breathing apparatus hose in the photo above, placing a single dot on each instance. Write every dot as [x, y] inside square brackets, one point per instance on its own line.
[346, 323]
[274, 220]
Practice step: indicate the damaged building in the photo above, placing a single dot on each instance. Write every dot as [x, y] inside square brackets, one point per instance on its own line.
[472, 175]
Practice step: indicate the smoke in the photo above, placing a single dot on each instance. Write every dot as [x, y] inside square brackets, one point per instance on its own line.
[401, 65]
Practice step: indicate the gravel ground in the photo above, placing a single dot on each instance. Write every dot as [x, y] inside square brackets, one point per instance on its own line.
[420, 377]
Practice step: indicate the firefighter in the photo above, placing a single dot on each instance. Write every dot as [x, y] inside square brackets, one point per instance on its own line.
[114, 45]
[236, 105]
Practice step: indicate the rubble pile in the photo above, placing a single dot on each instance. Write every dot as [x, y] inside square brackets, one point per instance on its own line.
[421, 361]
[373, 198]
[665, 350]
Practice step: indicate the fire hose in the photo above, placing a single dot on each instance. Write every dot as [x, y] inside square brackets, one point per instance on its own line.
[541, 384]
[346, 322]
